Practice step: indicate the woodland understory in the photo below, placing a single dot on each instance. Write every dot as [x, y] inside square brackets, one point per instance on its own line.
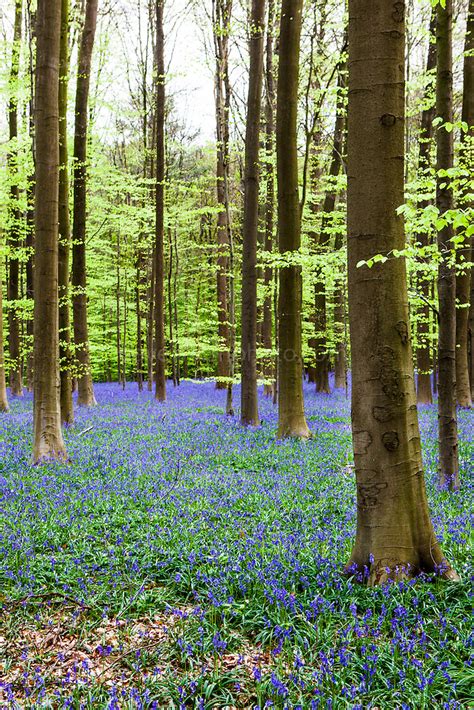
[185, 561]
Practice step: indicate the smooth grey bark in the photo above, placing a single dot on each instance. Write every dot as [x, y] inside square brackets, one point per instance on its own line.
[447, 417]
[394, 537]
[249, 399]
[47, 436]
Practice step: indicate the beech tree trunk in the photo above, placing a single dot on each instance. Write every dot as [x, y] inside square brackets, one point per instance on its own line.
[48, 439]
[448, 437]
[4, 407]
[222, 14]
[249, 401]
[291, 418]
[395, 537]
[30, 211]
[150, 322]
[267, 339]
[229, 404]
[65, 360]
[14, 237]
[138, 309]
[172, 347]
[160, 364]
[315, 173]
[118, 323]
[29, 242]
[340, 308]
[470, 333]
[423, 353]
[464, 255]
[85, 388]
[322, 356]
[340, 362]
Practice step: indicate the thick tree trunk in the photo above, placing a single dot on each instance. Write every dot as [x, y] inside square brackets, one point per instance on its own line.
[160, 364]
[85, 388]
[448, 437]
[395, 537]
[67, 410]
[464, 255]
[3, 385]
[29, 241]
[48, 440]
[322, 356]
[222, 13]
[249, 401]
[30, 210]
[423, 353]
[267, 326]
[291, 418]
[14, 237]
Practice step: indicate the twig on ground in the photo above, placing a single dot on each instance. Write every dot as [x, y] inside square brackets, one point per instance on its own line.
[84, 431]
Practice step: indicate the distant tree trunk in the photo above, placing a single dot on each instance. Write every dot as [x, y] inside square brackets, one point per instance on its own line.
[229, 406]
[322, 356]
[222, 14]
[423, 353]
[249, 400]
[340, 311]
[14, 236]
[3, 385]
[170, 308]
[395, 537]
[315, 173]
[175, 306]
[124, 339]
[340, 363]
[160, 364]
[141, 294]
[118, 325]
[85, 387]
[464, 255]
[448, 437]
[150, 322]
[471, 332]
[267, 336]
[291, 418]
[48, 439]
[67, 410]
[138, 307]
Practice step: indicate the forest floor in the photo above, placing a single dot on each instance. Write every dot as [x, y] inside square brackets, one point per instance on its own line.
[178, 560]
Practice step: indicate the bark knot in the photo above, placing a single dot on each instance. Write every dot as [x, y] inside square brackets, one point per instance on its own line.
[390, 440]
[361, 441]
[382, 414]
[402, 330]
[369, 493]
[388, 375]
[398, 14]
[388, 119]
